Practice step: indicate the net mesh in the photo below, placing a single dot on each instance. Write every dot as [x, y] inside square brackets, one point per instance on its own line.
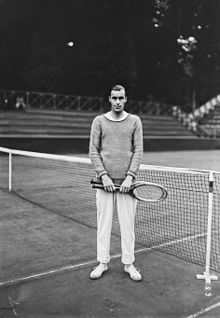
[177, 226]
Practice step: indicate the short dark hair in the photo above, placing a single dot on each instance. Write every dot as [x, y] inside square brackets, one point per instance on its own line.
[118, 88]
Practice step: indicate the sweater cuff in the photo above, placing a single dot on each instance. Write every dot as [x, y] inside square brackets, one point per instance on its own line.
[131, 173]
[102, 173]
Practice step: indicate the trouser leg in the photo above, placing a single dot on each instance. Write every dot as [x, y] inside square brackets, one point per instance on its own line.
[105, 206]
[126, 207]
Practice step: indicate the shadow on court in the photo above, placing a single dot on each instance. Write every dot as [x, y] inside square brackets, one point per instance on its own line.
[35, 241]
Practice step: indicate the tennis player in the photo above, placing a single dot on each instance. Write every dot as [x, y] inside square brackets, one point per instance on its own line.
[116, 149]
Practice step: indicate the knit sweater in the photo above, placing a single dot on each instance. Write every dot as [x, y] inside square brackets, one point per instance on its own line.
[116, 147]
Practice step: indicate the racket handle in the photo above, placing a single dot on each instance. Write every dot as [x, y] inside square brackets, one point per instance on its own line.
[97, 186]
[98, 183]
[95, 181]
[100, 186]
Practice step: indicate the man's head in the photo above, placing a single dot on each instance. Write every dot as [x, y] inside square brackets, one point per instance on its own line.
[117, 98]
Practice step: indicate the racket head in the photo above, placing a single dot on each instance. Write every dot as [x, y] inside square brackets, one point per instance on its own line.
[148, 191]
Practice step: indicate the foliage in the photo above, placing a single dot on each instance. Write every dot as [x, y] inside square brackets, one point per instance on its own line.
[134, 43]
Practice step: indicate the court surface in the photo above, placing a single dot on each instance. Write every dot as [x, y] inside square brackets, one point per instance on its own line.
[46, 260]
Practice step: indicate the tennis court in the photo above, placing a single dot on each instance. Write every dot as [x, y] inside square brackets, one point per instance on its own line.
[48, 242]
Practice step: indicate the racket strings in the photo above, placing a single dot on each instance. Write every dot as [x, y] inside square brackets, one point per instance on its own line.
[148, 192]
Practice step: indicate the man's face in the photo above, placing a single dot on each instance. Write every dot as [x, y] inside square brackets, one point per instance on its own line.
[117, 100]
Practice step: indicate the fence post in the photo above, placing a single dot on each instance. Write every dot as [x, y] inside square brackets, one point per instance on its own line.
[157, 109]
[78, 102]
[27, 99]
[54, 101]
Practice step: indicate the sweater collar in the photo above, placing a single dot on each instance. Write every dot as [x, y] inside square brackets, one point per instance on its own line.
[109, 116]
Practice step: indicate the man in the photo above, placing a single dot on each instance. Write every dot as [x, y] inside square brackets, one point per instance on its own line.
[116, 149]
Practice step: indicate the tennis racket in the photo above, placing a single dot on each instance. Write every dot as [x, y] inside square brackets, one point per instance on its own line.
[140, 190]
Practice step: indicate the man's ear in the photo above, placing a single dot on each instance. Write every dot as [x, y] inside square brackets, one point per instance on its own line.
[126, 99]
[109, 98]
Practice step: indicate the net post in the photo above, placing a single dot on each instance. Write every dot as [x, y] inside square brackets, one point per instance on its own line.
[206, 275]
[10, 171]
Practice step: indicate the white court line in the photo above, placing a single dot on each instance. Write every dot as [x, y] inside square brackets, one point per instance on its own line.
[46, 273]
[203, 311]
[171, 242]
[92, 262]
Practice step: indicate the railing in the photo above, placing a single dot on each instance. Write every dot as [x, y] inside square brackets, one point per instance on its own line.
[50, 100]
[9, 99]
[191, 121]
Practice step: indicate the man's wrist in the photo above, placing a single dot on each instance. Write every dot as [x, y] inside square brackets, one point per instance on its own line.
[129, 177]
[104, 176]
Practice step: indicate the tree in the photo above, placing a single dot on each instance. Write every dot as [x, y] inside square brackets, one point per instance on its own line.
[130, 42]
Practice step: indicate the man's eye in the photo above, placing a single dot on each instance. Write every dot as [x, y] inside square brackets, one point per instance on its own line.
[120, 98]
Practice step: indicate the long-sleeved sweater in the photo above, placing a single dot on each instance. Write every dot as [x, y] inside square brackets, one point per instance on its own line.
[116, 147]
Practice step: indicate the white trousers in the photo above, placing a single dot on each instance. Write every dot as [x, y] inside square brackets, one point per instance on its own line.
[126, 208]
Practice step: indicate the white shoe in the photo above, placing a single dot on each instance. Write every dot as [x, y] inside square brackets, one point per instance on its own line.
[98, 271]
[134, 273]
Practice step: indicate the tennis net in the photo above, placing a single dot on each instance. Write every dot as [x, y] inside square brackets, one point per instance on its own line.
[177, 226]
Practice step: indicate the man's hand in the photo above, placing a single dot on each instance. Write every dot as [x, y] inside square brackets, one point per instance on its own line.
[108, 183]
[126, 184]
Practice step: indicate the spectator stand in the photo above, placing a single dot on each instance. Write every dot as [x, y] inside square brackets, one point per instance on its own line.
[193, 120]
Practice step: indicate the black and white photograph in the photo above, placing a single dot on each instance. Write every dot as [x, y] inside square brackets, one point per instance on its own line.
[109, 158]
